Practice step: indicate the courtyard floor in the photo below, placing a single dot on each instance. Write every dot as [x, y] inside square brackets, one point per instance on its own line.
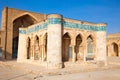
[11, 70]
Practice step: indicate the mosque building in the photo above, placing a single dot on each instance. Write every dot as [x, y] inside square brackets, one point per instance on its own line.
[50, 38]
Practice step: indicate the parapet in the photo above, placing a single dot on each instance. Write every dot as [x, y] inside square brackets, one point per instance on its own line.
[114, 35]
[54, 19]
[84, 22]
[54, 16]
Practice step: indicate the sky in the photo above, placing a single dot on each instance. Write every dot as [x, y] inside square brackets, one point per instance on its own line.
[96, 11]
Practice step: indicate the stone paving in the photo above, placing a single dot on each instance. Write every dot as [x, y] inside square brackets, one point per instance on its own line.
[113, 74]
[11, 70]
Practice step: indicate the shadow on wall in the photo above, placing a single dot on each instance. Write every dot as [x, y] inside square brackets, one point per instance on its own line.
[4, 57]
[0, 52]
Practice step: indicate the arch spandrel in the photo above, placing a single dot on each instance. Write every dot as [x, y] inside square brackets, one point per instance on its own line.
[23, 14]
[24, 21]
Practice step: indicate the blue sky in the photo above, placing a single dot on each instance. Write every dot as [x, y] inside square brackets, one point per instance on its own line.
[97, 11]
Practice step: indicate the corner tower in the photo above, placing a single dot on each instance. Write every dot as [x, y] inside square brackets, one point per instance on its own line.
[54, 46]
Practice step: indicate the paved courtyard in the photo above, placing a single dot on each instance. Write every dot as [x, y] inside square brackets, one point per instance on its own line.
[113, 74]
[11, 70]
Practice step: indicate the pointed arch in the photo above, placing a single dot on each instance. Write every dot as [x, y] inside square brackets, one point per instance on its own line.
[36, 48]
[68, 33]
[78, 39]
[28, 48]
[66, 54]
[91, 36]
[78, 49]
[36, 38]
[115, 49]
[24, 20]
[90, 47]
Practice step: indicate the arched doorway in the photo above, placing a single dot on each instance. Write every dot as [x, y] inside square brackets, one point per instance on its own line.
[90, 48]
[23, 21]
[66, 54]
[36, 48]
[28, 48]
[78, 48]
[115, 49]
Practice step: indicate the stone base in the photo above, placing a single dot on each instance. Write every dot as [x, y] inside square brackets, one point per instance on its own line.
[54, 66]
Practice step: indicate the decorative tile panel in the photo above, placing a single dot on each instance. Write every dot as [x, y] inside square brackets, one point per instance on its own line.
[34, 29]
[54, 21]
[65, 25]
[84, 27]
[22, 31]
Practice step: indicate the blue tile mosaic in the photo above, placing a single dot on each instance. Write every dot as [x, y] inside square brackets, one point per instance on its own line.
[65, 25]
[54, 20]
[37, 28]
[84, 27]
[22, 31]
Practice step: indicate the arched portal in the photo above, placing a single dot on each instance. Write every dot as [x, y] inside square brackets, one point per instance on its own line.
[66, 47]
[36, 48]
[28, 48]
[115, 49]
[90, 48]
[78, 48]
[23, 21]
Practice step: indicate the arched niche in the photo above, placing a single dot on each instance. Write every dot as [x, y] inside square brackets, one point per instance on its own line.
[115, 49]
[36, 48]
[90, 48]
[78, 48]
[66, 52]
[28, 48]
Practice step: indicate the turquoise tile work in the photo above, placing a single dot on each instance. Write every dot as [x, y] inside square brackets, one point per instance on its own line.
[54, 20]
[65, 25]
[34, 29]
[37, 28]
[22, 31]
[84, 27]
